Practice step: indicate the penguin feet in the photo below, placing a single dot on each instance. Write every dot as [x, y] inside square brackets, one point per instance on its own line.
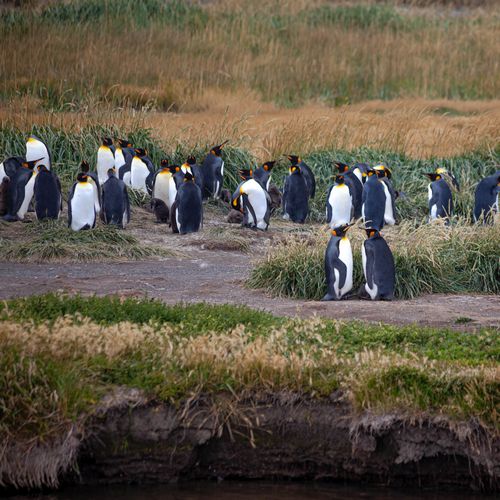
[328, 297]
[10, 218]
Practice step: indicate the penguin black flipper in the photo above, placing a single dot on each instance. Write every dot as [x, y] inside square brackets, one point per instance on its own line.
[267, 216]
[311, 180]
[328, 206]
[59, 187]
[247, 207]
[173, 217]
[70, 197]
[149, 183]
[127, 203]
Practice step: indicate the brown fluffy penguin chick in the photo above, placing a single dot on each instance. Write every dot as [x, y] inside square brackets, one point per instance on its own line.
[161, 211]
[225, 196]
[4, 193]
[234, 217]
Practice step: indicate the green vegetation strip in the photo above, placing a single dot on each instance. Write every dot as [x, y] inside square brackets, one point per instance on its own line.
[60, 355]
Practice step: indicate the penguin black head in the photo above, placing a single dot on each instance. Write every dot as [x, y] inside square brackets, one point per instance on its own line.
[124, 143]
[295, 170]
[31, 164]
[217, 150]
[246, 174]
[370, 172]
[340, 231]
[188, 177]
[42, 168]
[383, 171]
[84, 166]
[174, 169]
[164, 163]
[294, 159]
[341, 167]
[140, 152]
[371, 232]
[111, 172]
[433, 176]
[82, 177]
[339, 179]
[107, 141]
[268, 166]
[191, 160]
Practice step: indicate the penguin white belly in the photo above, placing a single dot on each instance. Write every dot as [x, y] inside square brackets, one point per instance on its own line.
[28, 195]
[336, 284]
[119, 159]
[2, 172]
[161, 189]
[256, 198]
[341, 204]
[388, 215]
[177, 220]
[35, 150]
[172, 193]
[105, 161]
[126, 178]
[82, 206]
[138, 174]
[357, 173]
[96, 195]
[372, 292]
[345, 255]
[222, 168]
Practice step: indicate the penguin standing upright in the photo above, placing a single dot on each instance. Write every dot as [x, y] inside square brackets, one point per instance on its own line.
[213, 172]
[142, 171]
[187, 211]
[255, 204]
[306, 172]
[124, 153]
[295, 196]
[115, 201]
[164, 191]
[374, 201]
[21, 190]
[105, 159]
[340, 203]
[37, 149]
[486, 198]
[94, 180]
[378, 268]
[440, 198]
[48, 198]
[262, 174]
[353, 179]
[384, 174]
[338, 264]
[81, 204]
[194, 169]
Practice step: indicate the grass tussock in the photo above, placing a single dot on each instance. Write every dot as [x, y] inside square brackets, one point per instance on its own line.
[53, 241]
[67, 360]
[195, 48]
[429, 259]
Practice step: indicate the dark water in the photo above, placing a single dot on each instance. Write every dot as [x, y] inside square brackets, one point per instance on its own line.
[236, 490]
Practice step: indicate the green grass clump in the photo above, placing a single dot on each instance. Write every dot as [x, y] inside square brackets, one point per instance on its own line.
[428, 259]
[54, 241]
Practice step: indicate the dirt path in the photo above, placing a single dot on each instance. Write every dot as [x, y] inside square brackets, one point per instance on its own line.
[218, 277]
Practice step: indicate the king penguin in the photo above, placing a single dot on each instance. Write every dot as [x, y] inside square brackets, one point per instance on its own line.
[353, 178]
[296, 161]
[142, 171]
[10, 166]
[124, 153]
[115, 201]
[164, 185]
[94, 180]
[440, 198]
[486, 198]
[36, 148]
[340, 203]
[48, 198]
[295, 196]
[255, 204]
[187, 211]
[262, 174]
[384, 174]
[81, 204]
[449, 177]
[338, 264]
[378, 268]
[374, 201]
[213, 172]
[105, 159]
[194, 169]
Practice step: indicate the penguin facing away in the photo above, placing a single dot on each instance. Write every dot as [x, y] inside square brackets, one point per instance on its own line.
[486, 198]
[440, 198]
[213, 172]
[36, 148]
[10, 166]
[339, 203]
[105, 159]
[448, 176]
[378, 268]
[187, 211]
[255, 204]
[374, 201]
[384, 175]
[81, 204]
[338, 264]
[306, 172]
[115, 201]
[353, 179]
[295, 196]
[94, 180]
[48, 198]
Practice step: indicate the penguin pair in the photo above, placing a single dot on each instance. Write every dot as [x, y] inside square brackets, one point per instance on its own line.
[486, 199]
[296, 194]
[213, 172]
[252, 199]
[115, 201]
[439, 198]
[186, 215]
[378, 266]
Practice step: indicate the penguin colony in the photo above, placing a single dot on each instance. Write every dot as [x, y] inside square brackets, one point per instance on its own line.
[177, 193]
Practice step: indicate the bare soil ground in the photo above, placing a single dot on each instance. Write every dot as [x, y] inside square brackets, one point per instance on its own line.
[212, 266]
